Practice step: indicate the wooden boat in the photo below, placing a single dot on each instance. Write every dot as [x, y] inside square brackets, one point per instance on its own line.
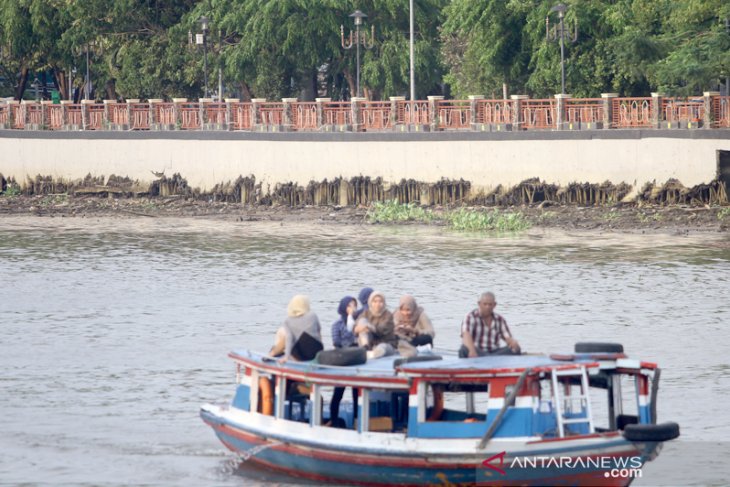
[497, 420]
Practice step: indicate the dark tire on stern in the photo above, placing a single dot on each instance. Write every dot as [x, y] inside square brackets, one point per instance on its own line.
[598, 347]
[651, 432]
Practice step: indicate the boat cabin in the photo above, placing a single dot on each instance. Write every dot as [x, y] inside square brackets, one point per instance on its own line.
[523, 396]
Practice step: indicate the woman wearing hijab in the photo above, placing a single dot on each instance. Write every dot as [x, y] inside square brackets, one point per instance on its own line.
[342, 337]
[375, 329]
[300, 337]
[363, 298]
[412, 324]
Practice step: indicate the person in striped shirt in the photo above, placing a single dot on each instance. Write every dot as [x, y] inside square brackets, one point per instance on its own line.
[483, 329]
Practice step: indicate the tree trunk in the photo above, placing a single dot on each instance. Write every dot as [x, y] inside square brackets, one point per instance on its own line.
[21, 84]
[110, 89]
[61, 80]
[309, 89]
[245, 92]
[350, 82]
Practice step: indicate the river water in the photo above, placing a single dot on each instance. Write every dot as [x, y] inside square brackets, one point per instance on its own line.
[114, 331]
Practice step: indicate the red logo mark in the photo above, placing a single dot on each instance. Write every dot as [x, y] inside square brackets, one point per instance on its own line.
[488, 461]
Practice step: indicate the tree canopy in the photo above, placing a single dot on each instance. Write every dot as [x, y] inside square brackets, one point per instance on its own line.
[283, 48]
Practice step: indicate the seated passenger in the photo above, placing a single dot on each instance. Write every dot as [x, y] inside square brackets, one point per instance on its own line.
[300, 336]
[342, 337]
[482, 330]
[375, 329]
[412, 324]
[363, 298]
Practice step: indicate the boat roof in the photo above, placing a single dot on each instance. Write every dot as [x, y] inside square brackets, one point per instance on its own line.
[385, 368]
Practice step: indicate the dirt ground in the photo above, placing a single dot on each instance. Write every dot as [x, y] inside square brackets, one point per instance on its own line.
[620, 218]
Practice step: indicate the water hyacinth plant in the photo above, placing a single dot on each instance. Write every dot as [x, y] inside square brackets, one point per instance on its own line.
[461, 219]
[465, 219]
[392, 211]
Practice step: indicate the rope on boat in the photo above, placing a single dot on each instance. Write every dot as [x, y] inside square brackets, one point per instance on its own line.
[507, 402]
[252, 452]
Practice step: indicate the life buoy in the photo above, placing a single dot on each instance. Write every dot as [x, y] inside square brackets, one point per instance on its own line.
[438, 403]
[266, 396]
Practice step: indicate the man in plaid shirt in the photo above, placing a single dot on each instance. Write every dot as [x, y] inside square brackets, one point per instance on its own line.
[482, 329]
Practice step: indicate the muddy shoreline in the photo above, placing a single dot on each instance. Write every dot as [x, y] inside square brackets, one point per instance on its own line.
[622, 218]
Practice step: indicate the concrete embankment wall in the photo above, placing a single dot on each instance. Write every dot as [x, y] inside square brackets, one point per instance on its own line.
[486, 160]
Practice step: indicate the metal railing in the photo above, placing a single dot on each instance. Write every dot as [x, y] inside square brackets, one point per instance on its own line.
[375, 115]
[584, 111]
[454, 114]
[538, 114]
[519, 113]
[721, 112]
[632, 112]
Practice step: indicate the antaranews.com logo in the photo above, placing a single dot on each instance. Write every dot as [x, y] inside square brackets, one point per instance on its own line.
[612, 467]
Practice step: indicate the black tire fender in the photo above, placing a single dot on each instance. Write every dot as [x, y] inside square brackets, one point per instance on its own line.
[598, 347]
[418, 358]
[342, 356]
[651, 432]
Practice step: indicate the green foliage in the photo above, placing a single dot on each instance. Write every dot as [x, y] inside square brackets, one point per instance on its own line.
[461, 219]
[279, 48]
[723, 213]
[392, 212]
[11, 190]
[464, 219]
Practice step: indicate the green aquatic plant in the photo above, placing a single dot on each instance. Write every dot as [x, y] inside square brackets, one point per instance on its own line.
[392, 211]
[11, 191]
[473, 220]
[461, 219]
[723, 213]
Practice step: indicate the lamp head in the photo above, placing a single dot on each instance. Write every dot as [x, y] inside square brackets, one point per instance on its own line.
[560, 8]
[203, 23]
[358, 16]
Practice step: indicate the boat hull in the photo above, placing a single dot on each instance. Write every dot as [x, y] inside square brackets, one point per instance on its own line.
[335, 463]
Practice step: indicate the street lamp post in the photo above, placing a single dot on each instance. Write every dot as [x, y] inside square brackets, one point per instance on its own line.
[203, 39]
[359, 39]
[88, 79]
[559, 33]
[413, 75]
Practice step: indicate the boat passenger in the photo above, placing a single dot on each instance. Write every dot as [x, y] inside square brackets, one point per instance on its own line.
[300, 337]
[482, 330]
[412, 324]
[363, 298]
[375, 329]
[342, 337]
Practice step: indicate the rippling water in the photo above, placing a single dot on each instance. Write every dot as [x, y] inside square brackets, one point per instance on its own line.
[115, 331]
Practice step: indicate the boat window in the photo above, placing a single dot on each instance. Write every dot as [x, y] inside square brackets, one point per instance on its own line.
[457, 402]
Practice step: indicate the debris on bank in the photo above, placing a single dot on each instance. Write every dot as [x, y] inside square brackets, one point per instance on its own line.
[363, 191]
